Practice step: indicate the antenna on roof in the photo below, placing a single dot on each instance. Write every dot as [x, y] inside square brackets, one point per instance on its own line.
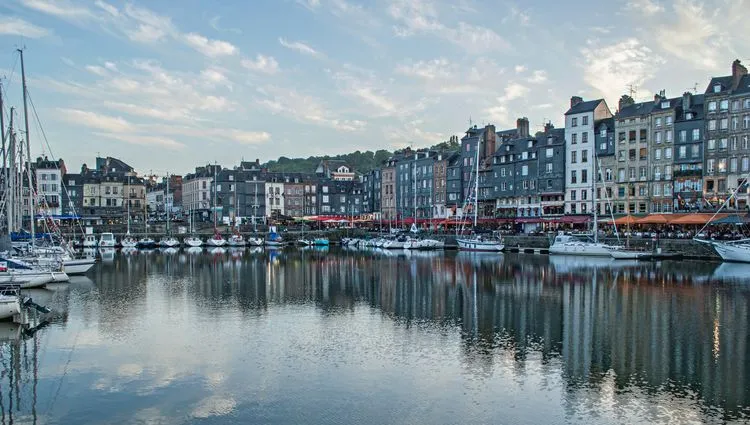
[632, 90]
[694, 88]
[470, 122]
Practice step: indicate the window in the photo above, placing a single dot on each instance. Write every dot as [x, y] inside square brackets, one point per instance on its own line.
[642, 173]
[631, 136]
[695, 151]
[325, 199]
[44, 176]
[657, 137]
[549, 167]
[573, 157]
[696, 134]
[621, 136]
[668, 136]
[722, 167]
[584, 195]
[657, 154]
[502, 172]
[573, 177]
[574, 122]
[550, 152]
[584, 176]
[603, 146]
[572, 195]
[644, 135]
[575, 138]
[745, 163]
[603, 132]
[736, 105]
[621, 192]
[642, 191]
[723, 143]
[711, 144]
[667, 153]
[711, 106]
[733, 165]
[668, 120]
[631, 154]
[643, 154]
[657, 189]
[525, 170]
[712, 125]
[724, 123]
[746, 103]
[585, 121]
[724, 105]
[584, 137]
[621, 155]
[657, 122]
[657, 172]
[585, 155]
[710, 165]
[631, 173]
[746, 122]
[735, 123]
[682, 152]
[688, 115]
[325, 189]
[733, 143]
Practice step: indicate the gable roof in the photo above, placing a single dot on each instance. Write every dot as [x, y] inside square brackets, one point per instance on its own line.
[586, 106]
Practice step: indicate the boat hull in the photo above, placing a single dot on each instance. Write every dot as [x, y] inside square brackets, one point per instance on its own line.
[737, 252]
[78, 266]
[479, 246]
[582, 248]
[629, 255]
[9, 307]
[216, 242]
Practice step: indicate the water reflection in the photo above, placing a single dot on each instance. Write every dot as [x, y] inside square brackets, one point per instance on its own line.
[580, 340]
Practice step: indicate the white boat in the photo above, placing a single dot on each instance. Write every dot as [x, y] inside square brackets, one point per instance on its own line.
[399, 243]
[169, 242]
[107, 254]
[254, 241]
[273, 239]
[129, 241]
[216, 240]
[236, 240]
[89, 241]
[736, 251]
[193, 241]
[480, 243]
[9, 302]
[303, 242]
[574, 245]
[107, 240]
[146, 243]
[78, 266]
[626, 254]
[427, 244]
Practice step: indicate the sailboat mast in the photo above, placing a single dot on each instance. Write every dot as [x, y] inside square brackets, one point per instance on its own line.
[414, 177]
[476, 184]
[127, 199]
[595, 175]
[32, 202]
[214, 196]
[11, 186]
[166, 206]
[2, 137]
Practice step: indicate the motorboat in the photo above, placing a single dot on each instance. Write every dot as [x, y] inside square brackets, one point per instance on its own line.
[274, 239]
[107, 240]
[480, 243]
[254, 241]
[89, 241]
[427, 244]
[169, 242]
[400, 242]
[146, 243]
[193, 241]
[303, 242]
[10, 304]
[216, 240]
[236, 240]
[321, 242]
[565, 244]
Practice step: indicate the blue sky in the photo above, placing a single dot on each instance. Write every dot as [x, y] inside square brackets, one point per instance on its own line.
[168, 85]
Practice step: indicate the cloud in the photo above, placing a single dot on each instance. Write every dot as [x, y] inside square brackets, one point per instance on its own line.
[514, 91]
[215, 76]
[304, 108]
[421, 17]
[214, 23]
[520, 68]
[310, 4]
[16, 26]
[611, 68]
[442, 76]
[300, 47]
[537, 77]
[97, 70]
[248, 137]
[60, 8]
[210, 48]
[367, 91]
[264, 64]
[645, 7]
[412, 134]
[143, 140]
[171, 114]
[95, 120]
[695, 36]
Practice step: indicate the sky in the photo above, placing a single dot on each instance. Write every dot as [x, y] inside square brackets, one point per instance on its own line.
[169, 85]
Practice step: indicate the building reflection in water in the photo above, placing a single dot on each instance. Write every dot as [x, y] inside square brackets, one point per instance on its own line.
[662, 328]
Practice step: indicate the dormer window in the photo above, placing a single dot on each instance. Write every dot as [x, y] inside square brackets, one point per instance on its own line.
[531, 144]
[689, 116]
[664, 105]
[603, 132]
[717, 88]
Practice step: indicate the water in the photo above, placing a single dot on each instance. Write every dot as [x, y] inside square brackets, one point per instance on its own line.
[338, 337]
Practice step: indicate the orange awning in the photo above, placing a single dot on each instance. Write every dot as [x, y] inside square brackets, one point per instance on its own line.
[695, 218]
[628, 219]
[654, 219]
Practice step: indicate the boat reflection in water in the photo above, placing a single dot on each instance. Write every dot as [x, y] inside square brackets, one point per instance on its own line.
[434, 338]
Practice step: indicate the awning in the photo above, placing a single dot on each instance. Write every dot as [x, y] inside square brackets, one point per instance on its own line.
[731, 219]
[626, 220]
[653, 219]
[696, 218]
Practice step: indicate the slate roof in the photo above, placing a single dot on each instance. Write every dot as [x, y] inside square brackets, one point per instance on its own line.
[726, 84]
[634, 110]
[585, 106]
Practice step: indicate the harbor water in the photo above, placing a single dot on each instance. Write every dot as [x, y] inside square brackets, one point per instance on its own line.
[331, 336]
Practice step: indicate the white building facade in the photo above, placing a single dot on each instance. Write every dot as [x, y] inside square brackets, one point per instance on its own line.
[580, 163]
[49, 190]
[274, 198]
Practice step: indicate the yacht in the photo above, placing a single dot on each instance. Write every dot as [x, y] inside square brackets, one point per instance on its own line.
[193, 241]
[129, 241]
[254, 241]
[146, 243]
[216, 240]
[735, 251]
[274, 239]
[236, 240]
[89, 241]
[566, 244]
[169, 242]
[10, 304]
[107, 240]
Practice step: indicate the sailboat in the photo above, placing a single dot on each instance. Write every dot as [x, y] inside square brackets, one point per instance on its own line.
[168, 241]
[735, 251]
[128, 241]
[567, 244]
[192, 240]
[216, 240]
[236, 240]
[477, 242]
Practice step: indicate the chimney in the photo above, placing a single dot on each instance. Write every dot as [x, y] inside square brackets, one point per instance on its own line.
[687, 100]
[738, 71]
[548, 127]
[522, 127]
[575, 100]
[490, 141]
[624, 102]
[657, 98]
